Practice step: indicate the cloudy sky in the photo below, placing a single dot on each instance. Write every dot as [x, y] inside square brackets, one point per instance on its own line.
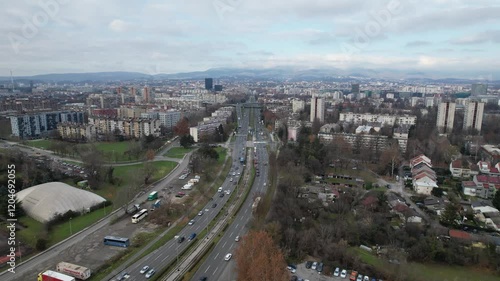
[151, 36]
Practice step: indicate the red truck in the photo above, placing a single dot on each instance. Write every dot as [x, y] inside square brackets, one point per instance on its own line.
[50, 275]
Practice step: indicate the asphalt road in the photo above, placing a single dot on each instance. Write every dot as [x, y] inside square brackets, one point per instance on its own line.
[170, 250]
[24, 269]
[215, 267]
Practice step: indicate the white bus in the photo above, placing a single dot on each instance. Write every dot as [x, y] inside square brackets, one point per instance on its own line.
[139, 216]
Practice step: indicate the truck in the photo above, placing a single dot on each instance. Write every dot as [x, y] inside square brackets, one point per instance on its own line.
[74, 270]
[50, 275]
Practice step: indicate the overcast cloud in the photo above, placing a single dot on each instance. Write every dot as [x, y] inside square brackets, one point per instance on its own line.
[194, 35]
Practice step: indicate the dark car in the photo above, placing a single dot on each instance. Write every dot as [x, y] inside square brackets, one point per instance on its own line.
[221, 194]
[294, 278]
[181, 239]
[214, 205]
[319, 268]
[203, 278]
[309, 264]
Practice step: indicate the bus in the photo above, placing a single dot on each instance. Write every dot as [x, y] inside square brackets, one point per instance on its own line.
[153, 195]
[139, 216]
[116, 241]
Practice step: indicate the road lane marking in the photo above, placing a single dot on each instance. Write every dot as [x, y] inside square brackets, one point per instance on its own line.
[207, 269]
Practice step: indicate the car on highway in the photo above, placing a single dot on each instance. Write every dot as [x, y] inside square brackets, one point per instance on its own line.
[237, 238]
[150, 273]
[214, 205]
[181, 239]
[123, 276]
[228, 192]
[192, 236]
[191, 222]
[228, 257]
[144, 269]
[200, 213]
[336, 273]
[221, 195]
[343, 273]
[203, 278]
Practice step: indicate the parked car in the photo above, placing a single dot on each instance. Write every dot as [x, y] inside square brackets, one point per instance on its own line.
[360, 277]
[292, 268]
[319, 268]
[309, 264]
[314, 265]
[366, 278]
[336, 273]
[343, 273]
[144, 269]
[353, 276]
[150, 273]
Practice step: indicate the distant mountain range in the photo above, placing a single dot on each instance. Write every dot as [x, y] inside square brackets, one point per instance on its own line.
[278, 73]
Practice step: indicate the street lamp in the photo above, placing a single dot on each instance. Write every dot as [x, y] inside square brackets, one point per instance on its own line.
[70, 229]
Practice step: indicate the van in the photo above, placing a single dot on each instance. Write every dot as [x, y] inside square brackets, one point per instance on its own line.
[220, 189]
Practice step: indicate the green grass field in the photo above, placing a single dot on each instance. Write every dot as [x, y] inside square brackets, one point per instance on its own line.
[43, 144]
[430, 272]
[222, 155]
[112, 151]
[177, 152]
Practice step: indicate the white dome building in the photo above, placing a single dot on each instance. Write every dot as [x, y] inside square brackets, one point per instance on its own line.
[42, 202]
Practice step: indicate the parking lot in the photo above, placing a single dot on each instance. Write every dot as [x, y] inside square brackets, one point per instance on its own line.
[313, 275]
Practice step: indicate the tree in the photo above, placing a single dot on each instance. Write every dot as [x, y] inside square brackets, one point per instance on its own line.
[182, 127]
[451, 214]
[186, 141]
[257, 250]
[496, 200]
[93, 164]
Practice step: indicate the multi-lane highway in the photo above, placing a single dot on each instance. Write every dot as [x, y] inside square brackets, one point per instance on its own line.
[169, 252]
[215, 266]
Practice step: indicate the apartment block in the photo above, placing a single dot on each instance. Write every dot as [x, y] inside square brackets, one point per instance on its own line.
[29, 126]
[445, 117]
[473, 115]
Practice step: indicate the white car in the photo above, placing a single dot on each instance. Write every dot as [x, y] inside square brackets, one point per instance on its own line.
[314, 265]
[336, 273]
[144, 269]
[343, 274]
[200, 213]
[237, 238]
[360, 278]
[366, 278]
[191, 222]
[228, 257]
[228, 192]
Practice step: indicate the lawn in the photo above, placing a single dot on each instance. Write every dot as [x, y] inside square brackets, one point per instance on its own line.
[177, 152]
[222, 155]
[429, 272]
[112, 151]
[33, 229]
[43, 144]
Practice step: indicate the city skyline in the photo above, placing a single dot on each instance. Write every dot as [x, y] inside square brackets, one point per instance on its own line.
[454, 37]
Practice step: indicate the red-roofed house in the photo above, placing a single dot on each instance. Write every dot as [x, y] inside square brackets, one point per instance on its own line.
[420, 159]
[458, 170]
[486, 185]
[484, 167]
[469, 188]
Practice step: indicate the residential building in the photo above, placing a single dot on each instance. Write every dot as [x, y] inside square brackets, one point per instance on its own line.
[298, 105]
[462, 169]
[36, 125]
[445, 117]
[76, 131]
[473, 115]
[376, 142]
[127, 127]
[208, 126]
[317, 109]
[383, 119]
[131, 111]
[483, 186]
[423, 177]
[169, 118]
[490, 153]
